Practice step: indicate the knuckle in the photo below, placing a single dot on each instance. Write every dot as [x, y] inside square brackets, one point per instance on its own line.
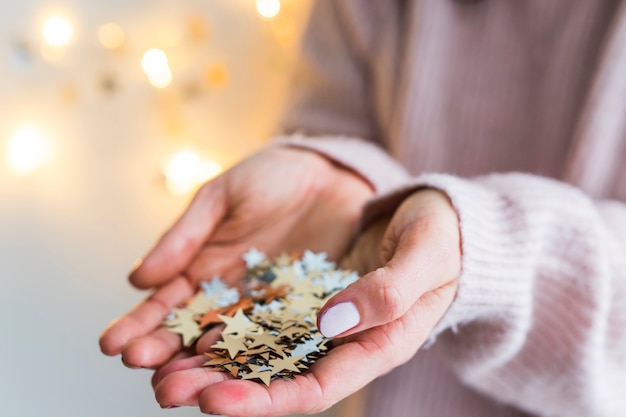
[197, 271]
[159, 305]
[184, 243]
[392, 301]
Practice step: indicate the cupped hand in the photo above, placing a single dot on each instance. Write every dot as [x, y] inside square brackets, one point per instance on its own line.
[381, 320]
[281, 199]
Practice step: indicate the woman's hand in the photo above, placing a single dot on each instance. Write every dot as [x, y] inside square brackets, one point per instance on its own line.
[382, 320]
[281, 199]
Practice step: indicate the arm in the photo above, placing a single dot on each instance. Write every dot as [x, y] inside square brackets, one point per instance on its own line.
[540, 311]
[539, 319]
[330, 110]
[543, 295]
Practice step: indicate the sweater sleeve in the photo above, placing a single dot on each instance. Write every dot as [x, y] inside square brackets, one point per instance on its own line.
[363, 158]
[539, 320]
[330, 92]
[329, 110]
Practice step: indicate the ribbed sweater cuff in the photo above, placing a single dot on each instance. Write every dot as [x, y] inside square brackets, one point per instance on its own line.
[364, 158]
[490, 281]
[490, 284]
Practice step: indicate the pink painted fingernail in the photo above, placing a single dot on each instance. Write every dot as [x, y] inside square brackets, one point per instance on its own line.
[339, 318]
[169, 407]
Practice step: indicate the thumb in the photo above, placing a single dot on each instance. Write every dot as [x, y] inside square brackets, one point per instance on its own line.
[180, 244]
[425, 256]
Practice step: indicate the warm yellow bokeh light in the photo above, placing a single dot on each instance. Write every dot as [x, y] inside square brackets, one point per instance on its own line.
[111, 36]
[208, 170]
[284, 29]
[197, 28]
[170, 35]
[28, 150]
[154, 61]
[185, 171]
[57, 31]
[217, 75]
[160, 79]
[155, 65]
[268, 8]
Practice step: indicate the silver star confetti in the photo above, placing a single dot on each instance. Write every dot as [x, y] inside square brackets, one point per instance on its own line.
[270, 322]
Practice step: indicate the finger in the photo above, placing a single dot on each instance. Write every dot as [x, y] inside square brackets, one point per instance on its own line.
[424, 258]
[181, 361]
[145, 317]
[183, 387]
[175, 250]
[151, 350]
[209, 339]
[365, 357]
[311, 393]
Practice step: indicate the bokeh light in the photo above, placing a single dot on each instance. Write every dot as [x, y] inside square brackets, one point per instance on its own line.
[155, 65]
[217, 75]
[268, 8]
[111, 36]
[154, 60]
[160, 79]
[208, 170]
[57, 31]
[28, 149]
[170, 35]
[185, 171]
[284, 29]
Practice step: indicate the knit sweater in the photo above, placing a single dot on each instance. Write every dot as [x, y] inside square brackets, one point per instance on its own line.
[517, 111]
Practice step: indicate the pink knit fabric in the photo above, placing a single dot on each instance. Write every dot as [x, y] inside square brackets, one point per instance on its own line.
[500, 105]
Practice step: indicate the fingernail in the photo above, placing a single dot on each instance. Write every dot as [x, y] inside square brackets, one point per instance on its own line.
[169, 407]
[136, 265]
[130, 366]
[339, 318]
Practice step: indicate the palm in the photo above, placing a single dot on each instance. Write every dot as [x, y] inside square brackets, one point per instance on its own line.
[364, 356]
[279, 200]
[306, 204]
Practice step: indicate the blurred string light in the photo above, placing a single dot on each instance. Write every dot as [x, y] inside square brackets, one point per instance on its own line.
[269, 9]
[217, 75]
[28, 149]
[155, 64]
[185, 171]
[197, 29]
[170, 35]
[57, 31]
[284, 29]
[111, 36]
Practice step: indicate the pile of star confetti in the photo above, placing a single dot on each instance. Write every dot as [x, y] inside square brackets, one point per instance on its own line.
[270, 321]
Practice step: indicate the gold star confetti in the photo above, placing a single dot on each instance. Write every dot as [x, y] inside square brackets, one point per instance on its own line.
[237, 325]
[184, 324]
[270, 328]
